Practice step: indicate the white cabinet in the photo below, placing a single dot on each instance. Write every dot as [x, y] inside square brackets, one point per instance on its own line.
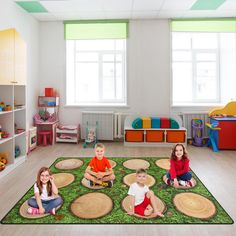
[13, 125]
[152, 137]
[68, 134]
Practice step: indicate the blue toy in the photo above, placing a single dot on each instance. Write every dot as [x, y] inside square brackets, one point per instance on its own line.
[213, 132]
[17, 151]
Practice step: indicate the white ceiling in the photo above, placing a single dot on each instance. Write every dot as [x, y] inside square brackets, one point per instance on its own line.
[128, 9]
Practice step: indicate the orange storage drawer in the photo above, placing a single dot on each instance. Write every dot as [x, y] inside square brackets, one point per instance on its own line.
[175, 136]
[154, 136]
[134, 136]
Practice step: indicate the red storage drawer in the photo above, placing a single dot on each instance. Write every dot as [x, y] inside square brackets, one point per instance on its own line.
[175, 136]
[134, 136]
[154, 136]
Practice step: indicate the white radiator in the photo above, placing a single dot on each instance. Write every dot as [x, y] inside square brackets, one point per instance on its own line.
[187, 118]
[104, 121]
[119, 121]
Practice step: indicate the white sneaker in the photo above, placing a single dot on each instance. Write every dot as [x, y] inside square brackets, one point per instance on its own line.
[182, 183]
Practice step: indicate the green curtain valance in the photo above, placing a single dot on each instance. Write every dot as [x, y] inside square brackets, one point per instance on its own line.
[102, 29]
[204, 25]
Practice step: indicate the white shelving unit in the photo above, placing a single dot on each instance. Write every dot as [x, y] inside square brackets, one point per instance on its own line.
[9, 120]
[67, 135]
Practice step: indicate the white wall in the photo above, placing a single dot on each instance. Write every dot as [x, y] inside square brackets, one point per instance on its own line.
[12, 16]
[148, 68]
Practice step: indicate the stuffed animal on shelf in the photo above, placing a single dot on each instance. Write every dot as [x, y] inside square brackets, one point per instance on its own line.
[2, 166]
[3, 160]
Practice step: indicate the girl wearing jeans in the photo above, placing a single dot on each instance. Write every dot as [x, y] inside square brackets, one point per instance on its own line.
[45, 192]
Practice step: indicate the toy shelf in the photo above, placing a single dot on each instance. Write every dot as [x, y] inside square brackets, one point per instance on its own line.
[11, 120]
[3, 140]
[68, 135]
[13, 71]
[44, 101]
[152, 137]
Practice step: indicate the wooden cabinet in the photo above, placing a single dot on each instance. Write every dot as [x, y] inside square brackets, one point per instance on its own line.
[12, 58]
[6, 57]
[20, 60]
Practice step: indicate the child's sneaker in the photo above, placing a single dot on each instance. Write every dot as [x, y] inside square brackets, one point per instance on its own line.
[110, 184]
[92, 184]
[182, 183]
[33, 211]
[53, 211]
[189, 183]
[170, 182]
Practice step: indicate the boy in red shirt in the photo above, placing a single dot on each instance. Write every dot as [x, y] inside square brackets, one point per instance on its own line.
[99, 170]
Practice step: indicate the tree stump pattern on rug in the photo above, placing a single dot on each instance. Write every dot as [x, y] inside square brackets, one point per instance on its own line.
[163, 163]
[112, 163]
[135, 164]
[23, 212]
[194, 182]
[69, 164]
[85, 183]
[194, 205]
[126, 204]
[92, 205]
[131, 178]
[63, 179]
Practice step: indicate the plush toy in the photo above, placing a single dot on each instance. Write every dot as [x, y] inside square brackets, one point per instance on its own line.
[91, 135]
[2, 166]
[52, 117]
[3, 158]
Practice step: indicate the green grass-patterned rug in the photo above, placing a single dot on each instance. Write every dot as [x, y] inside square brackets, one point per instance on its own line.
[117, 193]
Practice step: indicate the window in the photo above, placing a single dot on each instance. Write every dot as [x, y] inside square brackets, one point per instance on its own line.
[203, 67]
[195, 68]
[96, 71]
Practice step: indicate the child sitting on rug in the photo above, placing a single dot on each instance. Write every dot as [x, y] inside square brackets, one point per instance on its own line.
[142, 199]
[99, 170]
[45, 192]
[179, 173]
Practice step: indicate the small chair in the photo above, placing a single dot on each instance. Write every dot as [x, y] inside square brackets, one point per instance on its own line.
[43, 135]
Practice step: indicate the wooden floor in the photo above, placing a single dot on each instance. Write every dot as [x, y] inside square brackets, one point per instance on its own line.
[216, 170]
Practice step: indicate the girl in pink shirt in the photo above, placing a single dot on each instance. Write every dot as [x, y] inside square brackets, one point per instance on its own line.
[179, 173]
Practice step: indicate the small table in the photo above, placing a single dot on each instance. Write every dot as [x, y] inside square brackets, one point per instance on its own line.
[48, 126]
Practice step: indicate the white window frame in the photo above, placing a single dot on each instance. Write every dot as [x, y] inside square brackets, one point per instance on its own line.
[194, 74]
[101, 102]
[194, 64]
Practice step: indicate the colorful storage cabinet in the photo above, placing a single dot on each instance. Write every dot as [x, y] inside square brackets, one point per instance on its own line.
[175, 136]
[154, 135]
[138, 134]
[134, 136]
[226, 135]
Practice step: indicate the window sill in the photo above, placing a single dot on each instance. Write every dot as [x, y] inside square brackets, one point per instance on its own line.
[195, 108]
[197, 105]
[97, 106]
